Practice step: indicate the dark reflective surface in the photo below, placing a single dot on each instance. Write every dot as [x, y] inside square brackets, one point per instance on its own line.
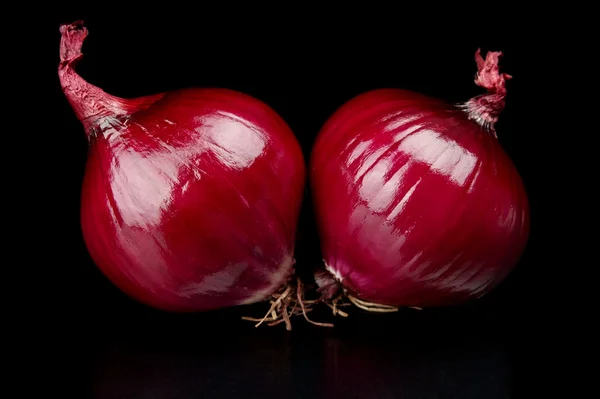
[316, 367]
[466, 353]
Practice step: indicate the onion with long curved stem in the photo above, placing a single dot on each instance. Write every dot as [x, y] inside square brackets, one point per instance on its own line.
[190, 198]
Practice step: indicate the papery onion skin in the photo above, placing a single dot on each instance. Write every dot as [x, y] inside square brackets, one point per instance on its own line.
[190, 198]
[417, 203]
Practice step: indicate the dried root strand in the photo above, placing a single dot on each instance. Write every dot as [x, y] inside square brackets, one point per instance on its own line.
[285, 305]
[288, 303]
[275, 305]
[334, 305]
[299, 296]
[286, 318]
[340, 301]
[370, 306]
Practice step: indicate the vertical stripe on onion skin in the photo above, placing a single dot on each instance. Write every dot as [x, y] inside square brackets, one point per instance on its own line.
[417, 204]
[190, 198]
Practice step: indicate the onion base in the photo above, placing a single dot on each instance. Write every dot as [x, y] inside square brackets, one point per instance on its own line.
[334, 296]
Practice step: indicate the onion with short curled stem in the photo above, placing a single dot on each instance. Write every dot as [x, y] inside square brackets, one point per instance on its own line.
[417, 203]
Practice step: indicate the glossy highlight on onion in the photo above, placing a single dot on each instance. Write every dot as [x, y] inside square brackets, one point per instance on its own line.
[417, 203]
[190, 198]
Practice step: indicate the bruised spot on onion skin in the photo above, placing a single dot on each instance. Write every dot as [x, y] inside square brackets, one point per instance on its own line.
[190, 198]
[417, 203]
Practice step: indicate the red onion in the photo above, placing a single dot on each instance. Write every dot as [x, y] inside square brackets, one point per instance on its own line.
[417, 203]
[190, 198]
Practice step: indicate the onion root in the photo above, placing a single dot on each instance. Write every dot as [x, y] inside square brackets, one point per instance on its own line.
[284, 305]
[339, 301]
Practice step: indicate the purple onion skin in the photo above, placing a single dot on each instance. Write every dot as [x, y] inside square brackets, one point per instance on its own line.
[417, 203]
[190, 198]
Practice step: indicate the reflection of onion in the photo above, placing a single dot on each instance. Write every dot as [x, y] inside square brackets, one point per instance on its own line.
[375, 369]
[249, 367]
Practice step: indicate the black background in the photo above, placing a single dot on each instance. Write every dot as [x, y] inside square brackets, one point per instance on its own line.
[305, 64]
